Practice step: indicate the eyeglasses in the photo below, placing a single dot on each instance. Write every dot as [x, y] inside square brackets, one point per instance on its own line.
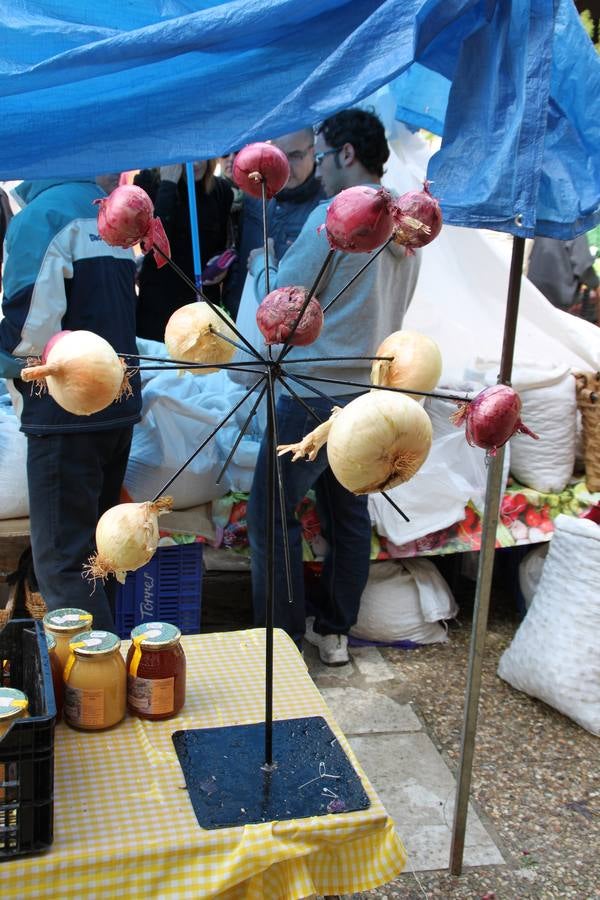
[298, 155]
[319, 157]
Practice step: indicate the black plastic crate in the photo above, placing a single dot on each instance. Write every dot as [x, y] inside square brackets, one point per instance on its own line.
[166, 589]
[27, 748]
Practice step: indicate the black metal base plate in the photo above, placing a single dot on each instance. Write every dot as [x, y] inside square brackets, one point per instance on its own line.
[228, 785]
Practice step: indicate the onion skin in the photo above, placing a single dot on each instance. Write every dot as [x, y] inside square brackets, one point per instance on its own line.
[126, 218]
[53, 340]
[378, 440]
[492, 417]
[418, 219]
[258, 163]
[416, 362]
[126, 537]
[359, 219]
[191, 335]
[278, 312]
[82, 372]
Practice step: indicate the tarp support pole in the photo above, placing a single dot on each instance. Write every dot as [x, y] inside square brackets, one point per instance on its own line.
[191, 186]
[484, 578]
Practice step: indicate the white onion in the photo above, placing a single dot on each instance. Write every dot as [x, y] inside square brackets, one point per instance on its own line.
[192, 335]
[378, 440]
[82, 373]
[126, 538]
[416, 363]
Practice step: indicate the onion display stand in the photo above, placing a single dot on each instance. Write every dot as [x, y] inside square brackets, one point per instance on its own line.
[288, 768]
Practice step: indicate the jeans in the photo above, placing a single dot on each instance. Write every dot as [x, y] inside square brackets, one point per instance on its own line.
[345, 523]
[73, 479]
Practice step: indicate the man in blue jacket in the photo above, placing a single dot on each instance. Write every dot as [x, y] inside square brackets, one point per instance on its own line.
[60, 275]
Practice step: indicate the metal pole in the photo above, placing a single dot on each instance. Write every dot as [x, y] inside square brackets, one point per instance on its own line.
[270, 573]
[484, 578]
[195, 232]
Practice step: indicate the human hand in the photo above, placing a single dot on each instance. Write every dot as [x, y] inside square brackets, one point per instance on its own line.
[259, 254]
[171, 173]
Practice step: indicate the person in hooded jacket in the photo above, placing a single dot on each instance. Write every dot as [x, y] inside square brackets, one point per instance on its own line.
[60, 275]
[350, 150]
[162, 290]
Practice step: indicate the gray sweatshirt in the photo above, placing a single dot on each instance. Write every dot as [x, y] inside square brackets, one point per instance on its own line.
[370, 309]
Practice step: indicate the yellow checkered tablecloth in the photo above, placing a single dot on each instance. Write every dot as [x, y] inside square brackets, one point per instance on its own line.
[124, 826]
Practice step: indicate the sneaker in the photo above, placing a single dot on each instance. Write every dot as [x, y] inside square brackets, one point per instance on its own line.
[333, 648]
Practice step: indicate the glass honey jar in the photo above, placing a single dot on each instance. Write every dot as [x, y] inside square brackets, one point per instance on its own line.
[95, 681]
[155, 671]
[63, 624]
[13, 705]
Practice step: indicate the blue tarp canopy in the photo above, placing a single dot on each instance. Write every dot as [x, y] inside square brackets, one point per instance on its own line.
[513, 88]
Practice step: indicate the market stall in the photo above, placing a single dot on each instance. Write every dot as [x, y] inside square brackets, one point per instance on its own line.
[526, 97]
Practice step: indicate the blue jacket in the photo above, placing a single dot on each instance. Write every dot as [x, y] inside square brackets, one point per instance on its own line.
[59, 274]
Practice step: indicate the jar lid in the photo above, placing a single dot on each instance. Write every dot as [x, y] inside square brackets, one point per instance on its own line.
[94, 643]
[68, 619]
[50, 641]
[155, 635]
[12, 703]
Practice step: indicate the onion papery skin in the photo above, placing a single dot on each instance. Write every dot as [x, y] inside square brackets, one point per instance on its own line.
[492, 417]
[127, 536]
[279, 310]
[416, 363]
[53, 340]
[82, 373]
[378, 440]
[359, 219]
[126, 218]
[418, 218]
[258, 163]
[190, 336]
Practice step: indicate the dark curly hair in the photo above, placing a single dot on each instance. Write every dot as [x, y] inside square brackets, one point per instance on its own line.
[364, 131]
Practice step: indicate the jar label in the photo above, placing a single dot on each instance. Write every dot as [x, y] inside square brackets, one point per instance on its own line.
[84, 708]
[155, 696]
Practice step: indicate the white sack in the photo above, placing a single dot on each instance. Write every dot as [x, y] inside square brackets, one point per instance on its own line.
[14, 496]
[554, 654]
[436, 496]
[398, 604]
[179, 413]
[530, 572]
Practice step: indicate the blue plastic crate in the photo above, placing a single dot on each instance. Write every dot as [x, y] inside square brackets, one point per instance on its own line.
[167, 589]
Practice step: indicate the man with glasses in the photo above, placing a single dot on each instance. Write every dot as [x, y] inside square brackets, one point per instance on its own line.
[350, 150]
[288, 211]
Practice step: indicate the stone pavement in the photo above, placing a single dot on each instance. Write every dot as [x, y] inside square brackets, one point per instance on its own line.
[400, 758]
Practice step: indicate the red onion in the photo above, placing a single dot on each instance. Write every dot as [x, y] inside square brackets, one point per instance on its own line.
[418, 218]
[260, 162]
[125, 218]
[359, 219]
[492, 417]
[279, 310]
[53, 340]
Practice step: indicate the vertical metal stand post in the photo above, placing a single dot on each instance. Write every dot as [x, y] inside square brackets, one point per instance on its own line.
[484, 578]
[270, 598]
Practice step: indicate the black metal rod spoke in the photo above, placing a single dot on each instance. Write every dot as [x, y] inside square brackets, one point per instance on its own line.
[300, 400]
[184, 364]
[229, 340]
[395, 505]
[358, 274]
[310, 387]
[343, 358]
[255, 406]
[234, 409]
[195, 366]
[215, 308]
[383, 387]
[287, 346]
